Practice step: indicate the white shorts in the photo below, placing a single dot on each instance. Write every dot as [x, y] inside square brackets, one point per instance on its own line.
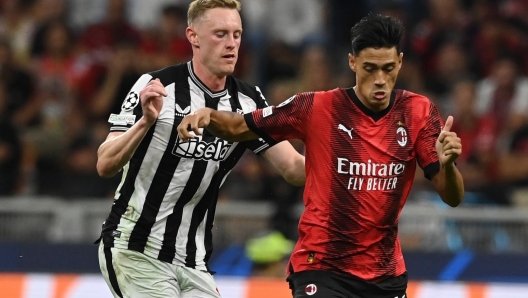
[131, 274]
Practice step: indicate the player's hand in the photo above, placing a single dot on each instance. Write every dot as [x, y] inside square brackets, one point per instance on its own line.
[193, 123]
[152, 100]
[448, 145]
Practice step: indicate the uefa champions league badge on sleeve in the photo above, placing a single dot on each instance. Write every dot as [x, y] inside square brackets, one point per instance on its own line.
[122, 119]
[130, 102]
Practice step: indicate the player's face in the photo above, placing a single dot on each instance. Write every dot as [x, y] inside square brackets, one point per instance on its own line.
[217, 40]
[376, 73]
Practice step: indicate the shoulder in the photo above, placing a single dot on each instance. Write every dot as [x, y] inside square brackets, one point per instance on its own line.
[324, 95]
[415, 98]
[244, 88]
[170, 74]
[418, 102]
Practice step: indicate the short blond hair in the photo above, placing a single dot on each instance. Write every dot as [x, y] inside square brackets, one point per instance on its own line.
[197, 8]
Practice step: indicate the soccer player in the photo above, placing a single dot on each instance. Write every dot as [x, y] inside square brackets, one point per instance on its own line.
[362, 146]
[157, 240]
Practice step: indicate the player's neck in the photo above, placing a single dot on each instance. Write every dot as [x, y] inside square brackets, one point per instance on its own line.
[211, 81]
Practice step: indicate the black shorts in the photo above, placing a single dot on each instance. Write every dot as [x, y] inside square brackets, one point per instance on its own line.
[324, 284]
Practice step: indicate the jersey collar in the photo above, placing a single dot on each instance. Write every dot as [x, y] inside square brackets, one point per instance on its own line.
[372, 114]
[202, 86]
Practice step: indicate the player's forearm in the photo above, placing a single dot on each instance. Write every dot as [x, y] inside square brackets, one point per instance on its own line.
[450, 185]
[117, 151]
[230, 126]
[287, 162]
[297, 176]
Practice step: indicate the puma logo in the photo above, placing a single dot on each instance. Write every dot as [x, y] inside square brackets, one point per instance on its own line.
[348, 131]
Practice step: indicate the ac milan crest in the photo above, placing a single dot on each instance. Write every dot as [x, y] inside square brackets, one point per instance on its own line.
[310, 289]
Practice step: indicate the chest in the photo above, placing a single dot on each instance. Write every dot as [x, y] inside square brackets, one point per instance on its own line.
[353, 133]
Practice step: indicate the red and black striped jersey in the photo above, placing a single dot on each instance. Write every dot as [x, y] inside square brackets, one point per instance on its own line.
[360, 167]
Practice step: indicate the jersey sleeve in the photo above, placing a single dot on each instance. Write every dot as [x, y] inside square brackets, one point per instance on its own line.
[261, 100]
[130, 108]
[288, 120]
[260, 145]
[426, 143]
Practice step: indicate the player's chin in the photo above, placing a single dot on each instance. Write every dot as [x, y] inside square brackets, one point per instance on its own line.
[227, 69]
[377, 102]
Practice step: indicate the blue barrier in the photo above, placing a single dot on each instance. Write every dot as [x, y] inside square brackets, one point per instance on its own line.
[461, 266]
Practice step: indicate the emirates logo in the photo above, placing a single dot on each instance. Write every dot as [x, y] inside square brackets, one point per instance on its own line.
[310, 289]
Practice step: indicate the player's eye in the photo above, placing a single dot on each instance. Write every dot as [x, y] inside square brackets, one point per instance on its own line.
[220, 34]
[369, 69]
[389, 69]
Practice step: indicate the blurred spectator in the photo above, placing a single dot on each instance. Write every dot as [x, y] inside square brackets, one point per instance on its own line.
[478, 134]
[519, 148]
[513, 168]
[17, 25]
[82, 13]
[315, 70]
[78, 77]
[18, 86]
[99, 38]
[78, 176]
[167, 44]
[410, 77]
[504, 95]
[145, 14]
[495, 39]
[279, 62]
[10, 149]
[108, 87]
[295, 22]
[45, 13]
[448, 66]
[342, 15]
[55, 105]
[445, 22]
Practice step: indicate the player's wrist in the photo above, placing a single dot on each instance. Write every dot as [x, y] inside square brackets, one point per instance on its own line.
[146, 122]
[449, 166]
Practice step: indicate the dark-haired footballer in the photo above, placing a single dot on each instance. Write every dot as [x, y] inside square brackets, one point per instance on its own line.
[362, 146]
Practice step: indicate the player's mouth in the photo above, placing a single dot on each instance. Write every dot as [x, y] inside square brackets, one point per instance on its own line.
[380, 95]
[229, 57]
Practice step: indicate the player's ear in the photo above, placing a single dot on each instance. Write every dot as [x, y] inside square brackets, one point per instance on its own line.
[400, 60]
[352, 62]
[191, 37]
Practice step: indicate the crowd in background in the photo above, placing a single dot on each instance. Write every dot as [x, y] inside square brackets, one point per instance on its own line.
[66, 65]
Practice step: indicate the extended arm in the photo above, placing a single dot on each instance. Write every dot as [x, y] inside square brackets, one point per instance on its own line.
[118, 148]
[287, 162]
[232, 127]
[448, 181]
[229, 126]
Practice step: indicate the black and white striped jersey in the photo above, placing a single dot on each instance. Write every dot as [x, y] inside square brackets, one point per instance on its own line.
[165, 203]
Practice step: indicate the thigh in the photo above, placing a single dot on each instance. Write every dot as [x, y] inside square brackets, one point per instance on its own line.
[140, 276]
[196, 284]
